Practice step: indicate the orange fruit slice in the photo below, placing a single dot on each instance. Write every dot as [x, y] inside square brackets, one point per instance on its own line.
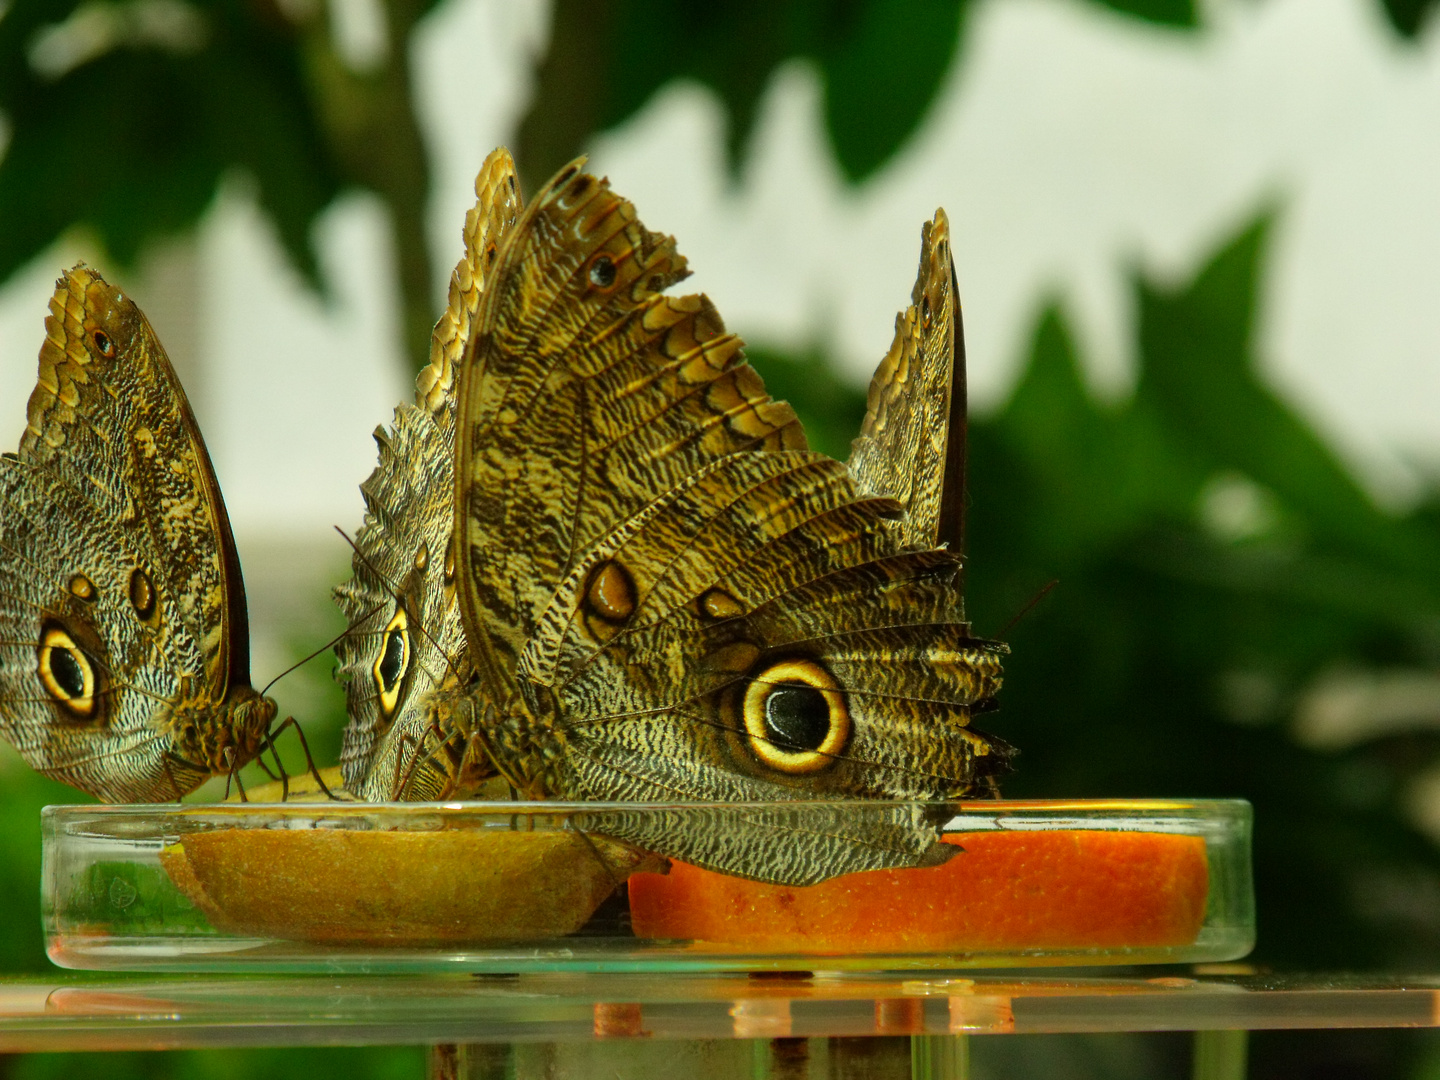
[1005, 892]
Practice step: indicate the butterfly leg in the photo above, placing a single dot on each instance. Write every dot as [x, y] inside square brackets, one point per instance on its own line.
[281, 777]
[310, 766]
[615, 880]
[400, 785]
[233, 773]
[174, 784]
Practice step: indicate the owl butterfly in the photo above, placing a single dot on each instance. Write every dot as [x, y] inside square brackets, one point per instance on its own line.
[667, 597]
[403, 660]
[124, 642]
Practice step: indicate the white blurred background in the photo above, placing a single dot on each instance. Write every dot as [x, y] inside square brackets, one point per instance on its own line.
[1070, 148]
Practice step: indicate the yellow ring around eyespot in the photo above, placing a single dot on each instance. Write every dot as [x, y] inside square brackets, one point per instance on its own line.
[56, 640]
[390, 695]
[757, 693]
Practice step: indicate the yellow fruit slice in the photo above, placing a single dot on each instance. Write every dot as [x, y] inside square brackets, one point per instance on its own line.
[355, 887]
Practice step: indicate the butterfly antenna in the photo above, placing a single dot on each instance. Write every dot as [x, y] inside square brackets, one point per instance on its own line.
[395, 592]
[1044, 592]
[323, 648]
[390, 585]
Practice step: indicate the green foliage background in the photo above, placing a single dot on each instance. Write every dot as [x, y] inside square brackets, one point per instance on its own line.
[1170, 656]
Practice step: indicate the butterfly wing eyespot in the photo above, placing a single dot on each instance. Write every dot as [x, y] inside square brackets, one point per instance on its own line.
[393, 663]
[68, 674]
[104, 343]
[609, 599]
[717, 604]
[82, 588]
[796, 717]
[142, 595]
[611, 592]
[602, 272]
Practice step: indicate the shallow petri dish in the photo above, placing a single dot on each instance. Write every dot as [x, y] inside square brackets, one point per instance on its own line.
[510, 887]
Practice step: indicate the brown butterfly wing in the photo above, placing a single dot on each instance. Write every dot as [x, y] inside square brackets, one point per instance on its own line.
[118, 571]
[653, 557]
[912, 441]
[497, 205]
[591, 393]
[403, 660]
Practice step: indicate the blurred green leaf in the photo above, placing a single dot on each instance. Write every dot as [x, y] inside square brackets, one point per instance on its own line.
[128, 130]
[1172, 12]
[882, 63]
[1408, 16]
[22, 945]
[1199, 374]
[126, 115]
[1117, 684]
[281, 1063]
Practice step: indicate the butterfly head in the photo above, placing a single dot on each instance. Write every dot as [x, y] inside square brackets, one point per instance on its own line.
[215, 738]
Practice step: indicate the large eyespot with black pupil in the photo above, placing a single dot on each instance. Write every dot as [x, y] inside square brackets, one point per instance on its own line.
[796, 718]
[602, 272]
[393, 662]
[142, 595]
[104, 344]
[68, 674]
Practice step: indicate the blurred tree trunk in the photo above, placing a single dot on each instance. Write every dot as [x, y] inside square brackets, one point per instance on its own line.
[369, 120]
[571, 89]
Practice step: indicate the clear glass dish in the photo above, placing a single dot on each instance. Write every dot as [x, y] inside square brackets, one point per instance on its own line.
[509, 887]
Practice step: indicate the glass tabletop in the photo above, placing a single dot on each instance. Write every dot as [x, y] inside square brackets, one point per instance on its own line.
[160, 1012]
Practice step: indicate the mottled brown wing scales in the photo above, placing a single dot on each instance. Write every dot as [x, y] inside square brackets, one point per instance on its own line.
[115, 548]
[673, 550]
[417, 743]
[844, 536]
[408, 520]
[651, 551]
[599, 395]
[154, 449]
[497, 205]
[910, 437]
